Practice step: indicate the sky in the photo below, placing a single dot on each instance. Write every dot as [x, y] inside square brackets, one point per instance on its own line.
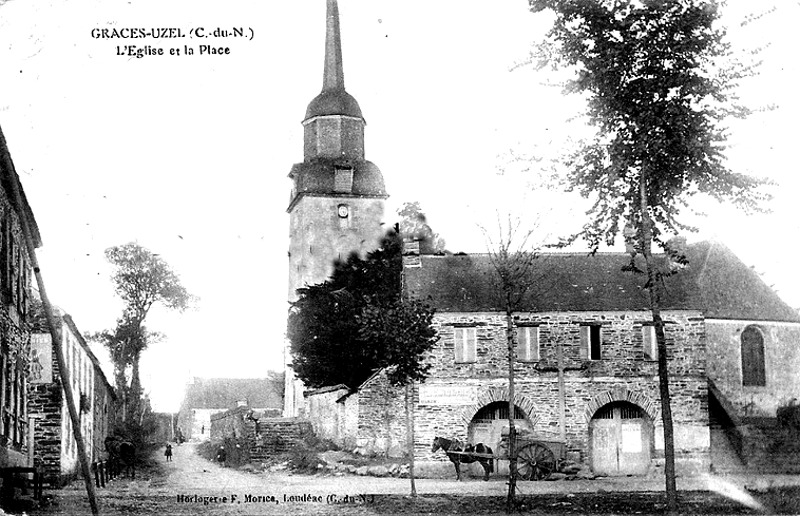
[188, 155]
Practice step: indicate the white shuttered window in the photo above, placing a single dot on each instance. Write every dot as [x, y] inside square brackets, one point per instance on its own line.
[649, 342]
[528, 343]
[465, 344]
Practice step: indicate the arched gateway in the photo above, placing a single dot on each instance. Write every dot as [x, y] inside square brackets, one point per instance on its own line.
[621, 437]
[487, 420]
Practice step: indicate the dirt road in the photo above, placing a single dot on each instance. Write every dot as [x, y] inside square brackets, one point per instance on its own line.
[192, 485]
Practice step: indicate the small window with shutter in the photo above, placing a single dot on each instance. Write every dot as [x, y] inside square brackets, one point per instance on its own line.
[591, 342]
[343, 180]
[649, 342]
[528, 343]
[465, 344]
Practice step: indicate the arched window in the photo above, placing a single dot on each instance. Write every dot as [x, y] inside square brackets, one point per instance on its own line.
[753, 372]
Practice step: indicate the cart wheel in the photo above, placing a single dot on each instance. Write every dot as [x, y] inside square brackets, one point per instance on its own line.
[535, 462]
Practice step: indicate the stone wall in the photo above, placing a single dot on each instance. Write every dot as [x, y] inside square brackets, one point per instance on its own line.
[325, 413]
[622, 375]
[781, 361]
[45, 403]
[230, 423]
[277, 435]
[257, 439]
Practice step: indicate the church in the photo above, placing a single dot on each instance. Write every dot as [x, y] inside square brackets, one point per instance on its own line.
[586, 362]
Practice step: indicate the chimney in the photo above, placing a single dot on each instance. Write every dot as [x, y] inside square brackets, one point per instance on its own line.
[411, 254]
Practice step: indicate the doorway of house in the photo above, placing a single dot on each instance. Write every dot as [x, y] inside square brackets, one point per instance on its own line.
[621, 436]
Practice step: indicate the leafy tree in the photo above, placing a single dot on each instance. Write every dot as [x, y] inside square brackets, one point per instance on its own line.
[658, 99]
[142, 279]
[414, 226]
[344, 329]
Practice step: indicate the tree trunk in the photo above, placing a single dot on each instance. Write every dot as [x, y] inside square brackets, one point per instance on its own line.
[512, 431]
[135, 391]
[663, 374]
[122, 393]
[410, 436]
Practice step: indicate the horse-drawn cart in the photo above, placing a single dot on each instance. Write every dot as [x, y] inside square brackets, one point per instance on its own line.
[537, 458]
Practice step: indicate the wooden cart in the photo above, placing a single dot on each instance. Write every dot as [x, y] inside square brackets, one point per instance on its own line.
[537, 459]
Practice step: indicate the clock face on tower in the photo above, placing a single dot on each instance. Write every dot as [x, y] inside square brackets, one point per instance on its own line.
[344, 211]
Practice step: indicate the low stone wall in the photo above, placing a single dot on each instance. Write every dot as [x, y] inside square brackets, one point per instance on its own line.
[278, 435]
[326, 413]
[257, 439]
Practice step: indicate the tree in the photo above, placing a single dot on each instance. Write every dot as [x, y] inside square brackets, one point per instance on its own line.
[513, 264]
[323, 325]
[414, 226]
[344, 329]
[142, 279]
[659, 100]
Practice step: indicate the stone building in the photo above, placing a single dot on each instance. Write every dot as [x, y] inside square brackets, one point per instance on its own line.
[15, 293]
[753, 362]
[55, 448]
[586, 369]
[337, 199]
[208, 396]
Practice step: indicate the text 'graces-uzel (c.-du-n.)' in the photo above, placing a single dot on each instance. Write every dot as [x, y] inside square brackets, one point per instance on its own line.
[161, 41]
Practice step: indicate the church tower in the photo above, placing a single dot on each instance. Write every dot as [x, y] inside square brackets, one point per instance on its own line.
[337, 200]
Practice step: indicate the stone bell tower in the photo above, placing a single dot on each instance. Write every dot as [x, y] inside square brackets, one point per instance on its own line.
[337, 199]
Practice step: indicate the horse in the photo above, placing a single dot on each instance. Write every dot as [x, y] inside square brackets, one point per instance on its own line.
[453, 445]
[122, 455]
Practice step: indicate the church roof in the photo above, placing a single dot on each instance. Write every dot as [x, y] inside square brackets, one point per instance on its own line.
[318, 176]
[333, 100]
[715, 282]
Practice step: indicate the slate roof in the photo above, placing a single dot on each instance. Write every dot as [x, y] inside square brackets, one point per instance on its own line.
[223, 393]
[715, 281]
[318, 177]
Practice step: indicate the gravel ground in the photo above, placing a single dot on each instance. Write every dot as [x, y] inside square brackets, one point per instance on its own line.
[193, 485]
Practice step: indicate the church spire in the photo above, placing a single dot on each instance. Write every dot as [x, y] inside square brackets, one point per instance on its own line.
[333, 78]
[333, 100]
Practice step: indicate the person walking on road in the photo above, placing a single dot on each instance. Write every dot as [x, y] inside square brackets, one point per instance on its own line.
[168, 452]
[222, 455]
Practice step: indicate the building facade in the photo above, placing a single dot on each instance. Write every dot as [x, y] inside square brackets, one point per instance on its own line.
[15, 296]
[55, 448]
[337, 200]
[586, 371]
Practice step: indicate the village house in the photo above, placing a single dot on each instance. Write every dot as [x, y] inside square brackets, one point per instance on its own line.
[55, 449]
[15, 294]
[208, 396]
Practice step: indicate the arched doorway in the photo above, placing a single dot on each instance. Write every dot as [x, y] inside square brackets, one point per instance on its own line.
[621, 436]
[489, 425]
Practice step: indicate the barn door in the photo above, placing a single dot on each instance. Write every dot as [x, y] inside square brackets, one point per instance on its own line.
[620, 440]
